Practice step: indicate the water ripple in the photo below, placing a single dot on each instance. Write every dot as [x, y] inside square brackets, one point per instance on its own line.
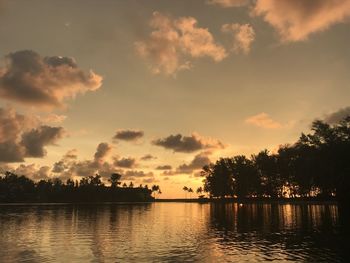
[171, 232]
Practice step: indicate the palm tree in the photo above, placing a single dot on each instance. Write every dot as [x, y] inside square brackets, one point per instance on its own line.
[199, 190]
[185, 188]
[190, 190]
[115, 180]
[156, 189]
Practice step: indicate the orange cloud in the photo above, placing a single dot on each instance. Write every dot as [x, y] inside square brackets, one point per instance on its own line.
[295, 20]
[173, 43]
[228, 3]
[243, 36]
[263, 120]
[52, 118]
[44, 82]
[23, 136]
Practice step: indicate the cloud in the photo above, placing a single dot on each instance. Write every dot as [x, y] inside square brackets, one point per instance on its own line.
[243, 36]
[33, 171]
[198, 162]
[12, 123]
[228, 3]
[149, 180]
[296, 20]
[69, 166]
[52, 118]
[65, 162]
[103, 149]
[148, 157]
[10, 151]
[24, 136]
[263, 120]
[164, 167]
[44, 82]
[337, 116]
[173, 43]
[128, 135]
[125, 162]
[35, 140]
[169, 173]
[135, 174]
[71, 155]
[195, 165]
[187, 144]
[59, 167]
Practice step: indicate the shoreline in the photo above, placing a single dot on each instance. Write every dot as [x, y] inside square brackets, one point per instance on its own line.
[250, 201]
[182, 200]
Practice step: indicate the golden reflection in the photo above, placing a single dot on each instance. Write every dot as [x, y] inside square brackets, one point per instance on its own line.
[169, 232]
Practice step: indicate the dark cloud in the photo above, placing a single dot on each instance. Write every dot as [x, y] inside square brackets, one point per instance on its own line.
[187, 144]
[136, 174]
[35, 140]
[11, 151]
[46, 82]
[164, 167]
[337, 116]
[103, 149]
[128, 135]
[69, 166]
[68, 158]
[169, 173]
[148, 157]
[148, 180]
[198, 162]
[12, 123]
[59, 167]
[125, 162]
[71, 155]
[23, 136]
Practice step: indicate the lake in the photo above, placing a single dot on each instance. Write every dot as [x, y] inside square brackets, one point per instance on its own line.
[173, 232]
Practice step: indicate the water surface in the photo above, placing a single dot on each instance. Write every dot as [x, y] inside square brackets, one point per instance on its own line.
[172, 232]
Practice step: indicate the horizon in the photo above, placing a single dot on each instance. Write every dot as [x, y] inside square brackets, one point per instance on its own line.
[156, 91]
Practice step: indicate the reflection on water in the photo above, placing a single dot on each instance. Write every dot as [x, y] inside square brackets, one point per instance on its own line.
[172, 232]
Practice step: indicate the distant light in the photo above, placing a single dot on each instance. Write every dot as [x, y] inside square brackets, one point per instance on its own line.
[240, 205]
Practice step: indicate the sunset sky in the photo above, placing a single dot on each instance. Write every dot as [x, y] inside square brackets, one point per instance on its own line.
[154, 90]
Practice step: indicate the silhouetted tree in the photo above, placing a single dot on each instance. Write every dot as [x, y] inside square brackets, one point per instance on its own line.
[115, 180]
[245, 176]
[14, 188]
[317, 165]
[190, 191]
[185, 188]
[218, 179]
[199, 190]
[266, 165]
[155, 189]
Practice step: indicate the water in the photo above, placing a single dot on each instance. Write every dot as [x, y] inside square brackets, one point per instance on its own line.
[172, 232]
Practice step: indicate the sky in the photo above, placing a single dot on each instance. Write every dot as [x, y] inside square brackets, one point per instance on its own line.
[154, 90]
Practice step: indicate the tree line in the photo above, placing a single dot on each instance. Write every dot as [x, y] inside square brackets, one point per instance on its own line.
[316, 166]
[15, 188]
